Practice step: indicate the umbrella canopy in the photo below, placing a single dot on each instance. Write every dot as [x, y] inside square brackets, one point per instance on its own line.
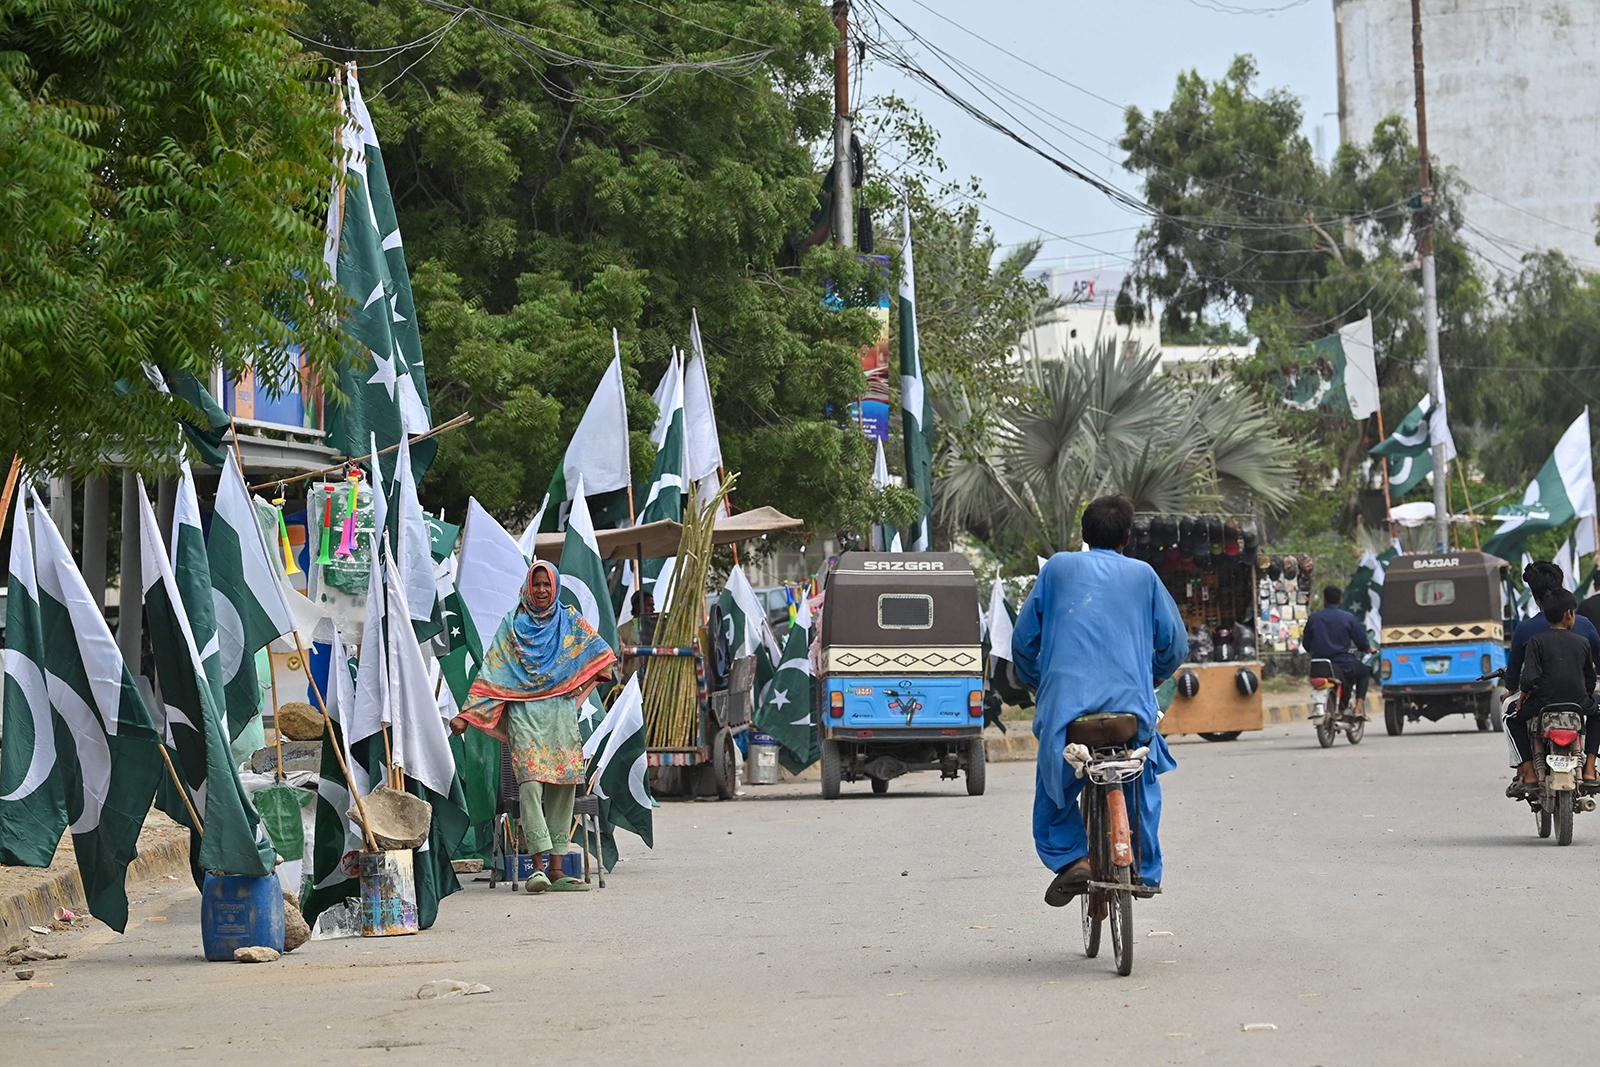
[657, 540]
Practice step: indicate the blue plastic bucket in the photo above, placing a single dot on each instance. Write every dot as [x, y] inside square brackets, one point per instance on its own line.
[571, 865]
[240, 911]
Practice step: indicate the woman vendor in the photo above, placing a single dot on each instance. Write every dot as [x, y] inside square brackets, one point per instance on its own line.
[544, 661]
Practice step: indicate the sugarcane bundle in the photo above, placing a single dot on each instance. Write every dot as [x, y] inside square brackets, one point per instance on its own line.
[671, 692]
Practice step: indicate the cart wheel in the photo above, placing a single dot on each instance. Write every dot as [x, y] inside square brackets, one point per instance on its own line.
[830, 770]
[1223, 735]
[1393, 721]
[880, 785]
[976, 767]
[724, 756]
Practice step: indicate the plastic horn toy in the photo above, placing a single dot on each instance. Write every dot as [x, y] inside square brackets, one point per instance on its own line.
[347, 540]
[289, 565]
[323, 559]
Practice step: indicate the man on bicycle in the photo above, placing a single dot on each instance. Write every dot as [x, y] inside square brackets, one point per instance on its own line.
[1097, 634]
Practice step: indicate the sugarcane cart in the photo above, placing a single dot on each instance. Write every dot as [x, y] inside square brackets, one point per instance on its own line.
[698, 701]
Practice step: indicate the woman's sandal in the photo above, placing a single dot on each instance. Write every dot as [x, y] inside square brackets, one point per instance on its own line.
[568, 884]
[536, 883]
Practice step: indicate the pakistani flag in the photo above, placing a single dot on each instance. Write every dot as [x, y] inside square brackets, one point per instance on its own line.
[386, 385]
[785, 710]
[1364, 594]
[490, 570]
[105, 742]
[583, 575]
[1337, 374]
[1563, 491]
[229, 836]
[414, 551]
[916, 407]
[598, 453]
[33, 806]
[702, 445]
[619, 773]
[749, 632]
[1409, 449]
[477, 755]
[205, 431]
[334, 876]
[664, 499]
[247, 597]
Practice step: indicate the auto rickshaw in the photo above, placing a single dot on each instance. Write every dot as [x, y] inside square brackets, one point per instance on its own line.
[900, 686]
[1447, 624]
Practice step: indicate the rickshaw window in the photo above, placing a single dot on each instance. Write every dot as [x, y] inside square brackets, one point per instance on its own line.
[1435, 592]
[905, 611]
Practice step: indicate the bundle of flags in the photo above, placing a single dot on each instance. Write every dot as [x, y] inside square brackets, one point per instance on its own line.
[784, 711]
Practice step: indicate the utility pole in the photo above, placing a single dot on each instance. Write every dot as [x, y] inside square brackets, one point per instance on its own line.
[844, 212]
[1422, 223]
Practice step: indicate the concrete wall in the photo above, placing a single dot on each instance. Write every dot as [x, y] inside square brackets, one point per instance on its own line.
[1513, 98]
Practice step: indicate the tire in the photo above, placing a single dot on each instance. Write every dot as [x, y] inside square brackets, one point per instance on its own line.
[1091, 805]
[880, 786]
[1564, 817]
[1325, 731]
[724, 760]
[1393, 720]
[977, 772]
[1496, 715]
[1225, 735]
[1357, 731]
[1122, 925]
[1482, 718]
[1092, 923]
[1543, 819]
[830, 770]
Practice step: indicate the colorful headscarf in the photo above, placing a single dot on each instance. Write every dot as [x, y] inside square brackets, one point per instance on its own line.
[536, 654]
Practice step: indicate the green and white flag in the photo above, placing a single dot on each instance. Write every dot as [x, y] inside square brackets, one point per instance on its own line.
[387, 387]
[414, 550]
[583, 575]
[664, 499]
[598, 453]
[338, 838]
[248, 599]
[749, 631]
[702, 445]
[1563, 491]
[1337, 374]
[229, 837]
[785, 710]
[619, 772]
[33, 807]
[1409, 449]
[105, 739]
[916, 406]
[490, 570]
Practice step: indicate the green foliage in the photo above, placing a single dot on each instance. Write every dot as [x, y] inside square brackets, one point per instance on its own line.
[164, 171]
[546, 200]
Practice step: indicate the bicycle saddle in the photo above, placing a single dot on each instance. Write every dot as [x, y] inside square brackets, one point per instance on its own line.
[1102, 728]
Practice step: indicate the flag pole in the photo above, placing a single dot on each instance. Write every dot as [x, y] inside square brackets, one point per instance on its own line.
[183, 790]
[1476, 542]
[1388, 504]
[11, 485]
[277, 731]
[338, 750]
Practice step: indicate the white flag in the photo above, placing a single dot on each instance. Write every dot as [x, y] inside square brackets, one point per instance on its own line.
[702, 446]
[415, 550]
[490, 570]
[599, 447]
[420, 742]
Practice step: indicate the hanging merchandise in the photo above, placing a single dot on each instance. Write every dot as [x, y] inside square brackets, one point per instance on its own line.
[348, 507]
[289, 564]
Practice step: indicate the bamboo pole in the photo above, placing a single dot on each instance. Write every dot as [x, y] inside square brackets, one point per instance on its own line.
[453, 424]
[277, 731]
[183, 790]
[11, 486]
[1388, 504]
[338, 750]
[1476, 543]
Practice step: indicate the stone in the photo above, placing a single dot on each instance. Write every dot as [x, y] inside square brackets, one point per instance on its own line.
[450, 987]
[255, 954]
[299, 721]
[24, 973]
[297, 756]
[296, 931]
[398, 820]
[471, 866]
[29, 951]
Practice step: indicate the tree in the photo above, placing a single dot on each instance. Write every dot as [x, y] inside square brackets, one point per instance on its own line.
[1106, 422]
[561, 170]
[164, 172]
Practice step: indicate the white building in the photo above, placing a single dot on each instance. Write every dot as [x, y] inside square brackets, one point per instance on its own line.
[1513, 99]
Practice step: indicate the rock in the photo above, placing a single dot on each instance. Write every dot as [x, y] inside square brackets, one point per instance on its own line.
[297, 756]
[398, 820]
[472, 866]
[296, 931]
[29, 951]
[299, 721]
[255, 954]
[24, 973]
[450, 987]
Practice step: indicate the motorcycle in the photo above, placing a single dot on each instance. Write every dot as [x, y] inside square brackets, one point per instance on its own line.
[1330, 706]
[1556, 735]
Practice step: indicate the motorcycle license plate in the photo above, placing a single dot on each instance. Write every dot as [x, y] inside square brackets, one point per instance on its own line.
[1436, 664]
[1561, 763]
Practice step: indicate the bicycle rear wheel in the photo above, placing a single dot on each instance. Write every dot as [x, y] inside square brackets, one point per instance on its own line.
[1092, 903]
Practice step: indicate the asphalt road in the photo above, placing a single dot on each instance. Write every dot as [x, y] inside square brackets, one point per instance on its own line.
[1379, 904]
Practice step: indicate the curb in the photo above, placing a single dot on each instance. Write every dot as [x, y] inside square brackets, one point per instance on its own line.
[37, 906]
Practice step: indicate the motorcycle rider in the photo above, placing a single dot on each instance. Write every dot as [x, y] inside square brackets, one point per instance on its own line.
[1329, 633]
[1558, 668]
[1541, 576]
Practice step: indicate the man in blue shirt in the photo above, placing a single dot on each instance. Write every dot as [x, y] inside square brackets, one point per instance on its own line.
[1097, 633]
[1329, 633]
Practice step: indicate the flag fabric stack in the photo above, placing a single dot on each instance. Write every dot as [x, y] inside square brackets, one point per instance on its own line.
[785, 710]
[1563, 491]
[915, 403]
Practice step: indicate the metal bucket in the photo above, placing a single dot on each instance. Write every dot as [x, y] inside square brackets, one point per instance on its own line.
[763, 760]
[388, 894]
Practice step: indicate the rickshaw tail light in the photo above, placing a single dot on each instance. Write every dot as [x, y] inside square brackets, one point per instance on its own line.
[975, 703]
[1562, 737]
[1388, 669]
[836, 704]
[1488, 663]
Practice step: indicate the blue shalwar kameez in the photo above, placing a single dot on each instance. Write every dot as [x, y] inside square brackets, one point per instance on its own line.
[1094, 635]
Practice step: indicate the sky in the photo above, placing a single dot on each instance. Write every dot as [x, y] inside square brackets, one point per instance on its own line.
[1113, 53]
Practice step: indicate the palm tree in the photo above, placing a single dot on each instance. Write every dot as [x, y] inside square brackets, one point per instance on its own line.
[1104, 421]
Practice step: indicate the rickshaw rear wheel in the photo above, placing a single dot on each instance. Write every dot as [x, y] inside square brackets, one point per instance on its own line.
[1393, 720]
[830, 770]
[977, 771]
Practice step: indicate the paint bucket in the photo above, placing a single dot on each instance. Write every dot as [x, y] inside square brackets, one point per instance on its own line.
[388, 894]
[240, 911]
[763, 760]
